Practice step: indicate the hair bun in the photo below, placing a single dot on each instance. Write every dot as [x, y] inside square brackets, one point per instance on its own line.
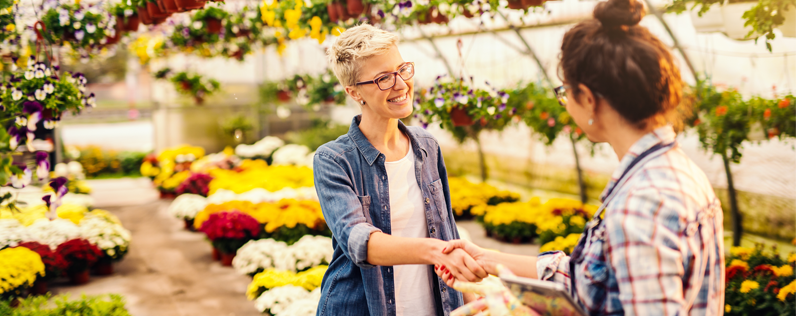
[618, 13]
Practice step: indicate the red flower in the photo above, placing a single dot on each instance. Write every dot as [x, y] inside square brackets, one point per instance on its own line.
[230, 225]
[79, 253]
[732, 272]
[544, 115]
[54, 263]
[696, 122]
[578, 131]
[557, 212]
[763, 269]
[197, 183]
[770, 284]
[773, 132]
[767, 114]
[721, 110]
[783, 103]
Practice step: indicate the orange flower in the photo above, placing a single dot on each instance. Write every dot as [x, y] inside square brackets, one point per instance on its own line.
[529, 105]
[721, 110]
[696, 122]
[773, 132]
[784, 103]
[767, 114]
[544, 115]
[578, 131]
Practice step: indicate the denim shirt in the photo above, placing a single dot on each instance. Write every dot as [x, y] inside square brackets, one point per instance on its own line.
[352, 186]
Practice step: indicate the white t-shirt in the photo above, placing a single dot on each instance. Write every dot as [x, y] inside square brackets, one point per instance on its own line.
[413, 293]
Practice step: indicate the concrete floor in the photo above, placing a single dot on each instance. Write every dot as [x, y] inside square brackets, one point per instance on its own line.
[169, 271]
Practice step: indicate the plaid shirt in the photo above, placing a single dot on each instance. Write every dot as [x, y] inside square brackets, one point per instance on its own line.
[658, 249]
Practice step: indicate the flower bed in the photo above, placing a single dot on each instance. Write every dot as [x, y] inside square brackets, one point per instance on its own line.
[260, 255]
[254, 174]
[21, 267]
[759, 282]
[466, 195]
[271, 279]
[523, 221]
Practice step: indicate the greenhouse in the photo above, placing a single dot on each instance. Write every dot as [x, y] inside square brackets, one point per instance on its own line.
[408, 157]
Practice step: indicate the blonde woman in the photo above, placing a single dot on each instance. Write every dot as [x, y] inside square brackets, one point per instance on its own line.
[384, 192]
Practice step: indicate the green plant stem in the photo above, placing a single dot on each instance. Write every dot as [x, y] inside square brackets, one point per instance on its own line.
[735, 214]
[581, 184]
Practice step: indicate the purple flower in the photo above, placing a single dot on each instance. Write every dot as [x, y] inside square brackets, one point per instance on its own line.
[498, 116]
[439, 102]
[21, 180]
[33, 109]
[381, 14]
[425, 125]
[43, 165]
[79, 34]
[16, 136]
[502, 107]
[59, 187]
[513, 111]
[428, 112]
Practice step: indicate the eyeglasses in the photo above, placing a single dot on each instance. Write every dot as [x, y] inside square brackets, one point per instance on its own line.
[561, 95]
[387, 81]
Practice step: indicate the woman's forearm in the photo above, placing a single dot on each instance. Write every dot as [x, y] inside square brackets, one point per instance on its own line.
[524, 266]
[387, 250]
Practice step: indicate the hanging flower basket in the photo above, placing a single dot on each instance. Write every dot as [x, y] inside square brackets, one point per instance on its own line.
[161, 5]
[188, 5]
[155, 12]
[170, 6]
[78, 277]
[516, 5]
[332, 10]
[437, 16]
[213, 25]
[144, 16]
[460, 117]
[130, 23]
[355, 7]
[466, 12]
[732, 14]
[532, 3]
[710, 21]
[283, 95]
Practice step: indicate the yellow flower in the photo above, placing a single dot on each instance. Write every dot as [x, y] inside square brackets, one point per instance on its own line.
[297, 33]
[749, 285]
[269, 279]
[727, 308]
[783, 271]
[741, 252]
[787, 290]
[104, 215]
[10, 27]
[256, 174]
[792, 258]
[175, 180]
[337, 31]
[292, 18]
[739, 263]
[21, 267]
[72, 212]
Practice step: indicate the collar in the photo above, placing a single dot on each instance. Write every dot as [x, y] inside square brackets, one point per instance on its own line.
[366, 148]
[664, 134]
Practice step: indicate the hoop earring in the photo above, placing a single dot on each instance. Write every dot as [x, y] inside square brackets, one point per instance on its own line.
[591, 121]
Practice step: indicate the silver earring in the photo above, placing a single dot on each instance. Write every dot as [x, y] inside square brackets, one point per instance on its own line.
[591, 121]
[362, 102]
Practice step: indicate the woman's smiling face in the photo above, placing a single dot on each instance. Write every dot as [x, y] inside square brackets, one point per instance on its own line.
[395, 102]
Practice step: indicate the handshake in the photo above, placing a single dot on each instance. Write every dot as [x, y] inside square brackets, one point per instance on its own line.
[464, 261]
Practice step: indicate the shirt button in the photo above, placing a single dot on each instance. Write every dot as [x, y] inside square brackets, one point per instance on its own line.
[433, 230]
[383, 178]
[443, 289]
[391, 301]
[428, 201]
[385, 207]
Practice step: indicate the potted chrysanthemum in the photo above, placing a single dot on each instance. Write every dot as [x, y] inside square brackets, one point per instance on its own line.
[111, 238]
[80, 255]
[228, 231]
[186, 206]
[21, 268]
[54, 266]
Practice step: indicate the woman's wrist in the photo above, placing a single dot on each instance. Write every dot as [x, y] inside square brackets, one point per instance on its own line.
[432, 250]
[490, 262]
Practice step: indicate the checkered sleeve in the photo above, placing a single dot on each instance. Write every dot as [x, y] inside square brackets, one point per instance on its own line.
[554, 266]
[644, 250]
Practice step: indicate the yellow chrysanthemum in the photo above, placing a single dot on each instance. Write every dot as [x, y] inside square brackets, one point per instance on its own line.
[783, 271]
[739, 263]
[792, 258]
[727, 308]
[256, 175]
[269, 279]
[787, 290]
[741, 252]
[749, 285]
[21, 267]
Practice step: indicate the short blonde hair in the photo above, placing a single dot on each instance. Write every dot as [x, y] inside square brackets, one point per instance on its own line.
[354, 45]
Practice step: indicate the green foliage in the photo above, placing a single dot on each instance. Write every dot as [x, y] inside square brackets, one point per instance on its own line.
[762, 268]
[514, 230]
[88, 31]
[98, 162]
[765, 16]
[320, 133]
[210, 13]
[238, 122]
[292, 235]
[487, 109]
[269, 90]
[45, 305]
[194, 85]
[541, 111]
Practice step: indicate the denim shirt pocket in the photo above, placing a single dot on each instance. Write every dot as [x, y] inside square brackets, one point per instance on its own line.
[439, 199]
[365, 201]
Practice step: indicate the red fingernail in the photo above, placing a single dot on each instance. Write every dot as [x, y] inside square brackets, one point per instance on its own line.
[443, 249]
[443, 267]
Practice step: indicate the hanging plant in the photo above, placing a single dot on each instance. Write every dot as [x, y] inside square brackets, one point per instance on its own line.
[211, 18]
[38, 93]
[194, 86]
[541, 111]
[325, 88]
[126, 16]
[7, 19]
[84, 28]
[244, 24]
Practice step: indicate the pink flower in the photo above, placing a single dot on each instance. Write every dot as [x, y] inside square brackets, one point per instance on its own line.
[551, 122]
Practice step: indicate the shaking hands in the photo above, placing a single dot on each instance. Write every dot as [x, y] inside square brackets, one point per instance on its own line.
[462, 260]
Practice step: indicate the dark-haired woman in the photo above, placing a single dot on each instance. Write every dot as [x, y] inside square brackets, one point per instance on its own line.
[655, 246]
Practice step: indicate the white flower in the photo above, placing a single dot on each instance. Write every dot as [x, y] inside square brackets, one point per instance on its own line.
[49, 88]
[61, 170]
[260, 195]
[302, 307]
[47, 72]
[50, 124]
[186, 206]
[19, 181]
[491, 110]
[262, 148]
[258, 255]
[291, 154]
[21, 121]
[106, 234]
[53, 233]
[29, 75]
[196, 25]
[91, 28]
[63, 20]
[40, 95]
[12, 233]
[79, 15]
[76, 25]
[278, 299]
[16, 94]
[39, 74]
